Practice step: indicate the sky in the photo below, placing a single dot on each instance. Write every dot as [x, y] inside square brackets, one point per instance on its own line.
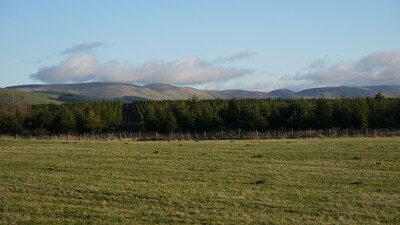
[208, 44]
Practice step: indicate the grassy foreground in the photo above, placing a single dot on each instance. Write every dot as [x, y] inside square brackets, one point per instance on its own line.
[313, 181]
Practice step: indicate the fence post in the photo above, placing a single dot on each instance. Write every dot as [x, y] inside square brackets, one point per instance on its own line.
[156, 136]
[222, 134]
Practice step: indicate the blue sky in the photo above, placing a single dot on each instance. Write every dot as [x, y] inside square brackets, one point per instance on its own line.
[223, 44]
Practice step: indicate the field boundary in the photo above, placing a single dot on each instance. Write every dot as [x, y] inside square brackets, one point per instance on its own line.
[212, 135]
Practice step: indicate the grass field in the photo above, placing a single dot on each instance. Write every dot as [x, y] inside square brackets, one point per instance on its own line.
[32, 98]
[309, 181]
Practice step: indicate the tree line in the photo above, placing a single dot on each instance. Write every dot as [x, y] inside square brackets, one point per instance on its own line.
[261, 114]
[200, 115]
[16, 117]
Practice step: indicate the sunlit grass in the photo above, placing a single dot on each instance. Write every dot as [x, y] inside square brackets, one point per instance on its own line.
[314, 181]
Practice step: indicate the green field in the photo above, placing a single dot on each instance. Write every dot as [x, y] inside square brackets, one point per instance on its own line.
[309, 181]
[32, 98]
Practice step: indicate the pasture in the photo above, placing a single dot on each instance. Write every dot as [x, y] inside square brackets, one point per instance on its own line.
[299, 181]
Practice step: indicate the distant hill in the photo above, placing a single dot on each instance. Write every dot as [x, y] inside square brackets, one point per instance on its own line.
[388, 90]
[172, 92]
[282, 93]
[238, 94]
[129, 92]
[350, 92]
[32, 97]
[96, 89]
[334, 92]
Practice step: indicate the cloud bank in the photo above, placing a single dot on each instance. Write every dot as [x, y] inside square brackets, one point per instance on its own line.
[378, 68]
[82, 66]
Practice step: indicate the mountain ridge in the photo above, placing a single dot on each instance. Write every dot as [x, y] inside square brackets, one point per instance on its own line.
[158, 91]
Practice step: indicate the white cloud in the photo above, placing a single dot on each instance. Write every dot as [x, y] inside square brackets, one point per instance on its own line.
[374, 69]
[378, 68]
[235, 57]
[77, 68]
[83, 48]
[187, 71]
[319, 63]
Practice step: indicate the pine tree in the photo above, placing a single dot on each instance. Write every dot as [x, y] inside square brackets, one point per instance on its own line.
[231, 116]
[360, 113]
[323, 113]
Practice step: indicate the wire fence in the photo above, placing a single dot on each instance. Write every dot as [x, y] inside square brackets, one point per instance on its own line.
[212, 135]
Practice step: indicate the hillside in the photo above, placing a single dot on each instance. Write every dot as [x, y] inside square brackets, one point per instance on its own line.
[282, 93]
[95, 89]
[121, 91]
[32, 97]
[173, 92]
[334, 92]
[388, 90]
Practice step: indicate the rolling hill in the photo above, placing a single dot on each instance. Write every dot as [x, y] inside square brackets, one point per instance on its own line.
[172, 92]
[334, 92]
[95, 89]
[128, 92]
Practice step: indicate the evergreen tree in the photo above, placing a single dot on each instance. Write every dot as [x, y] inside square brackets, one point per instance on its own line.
[342, 113]
[251, 119]
[66, 121]
[302, 115]
[195, 109]
[92, 122]
[42, 117]
[166, 119]
[208, 119]
[323, 113]
[150, 119]
[231, 116]
[360, 113]
[184, 117]
[396, 112]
